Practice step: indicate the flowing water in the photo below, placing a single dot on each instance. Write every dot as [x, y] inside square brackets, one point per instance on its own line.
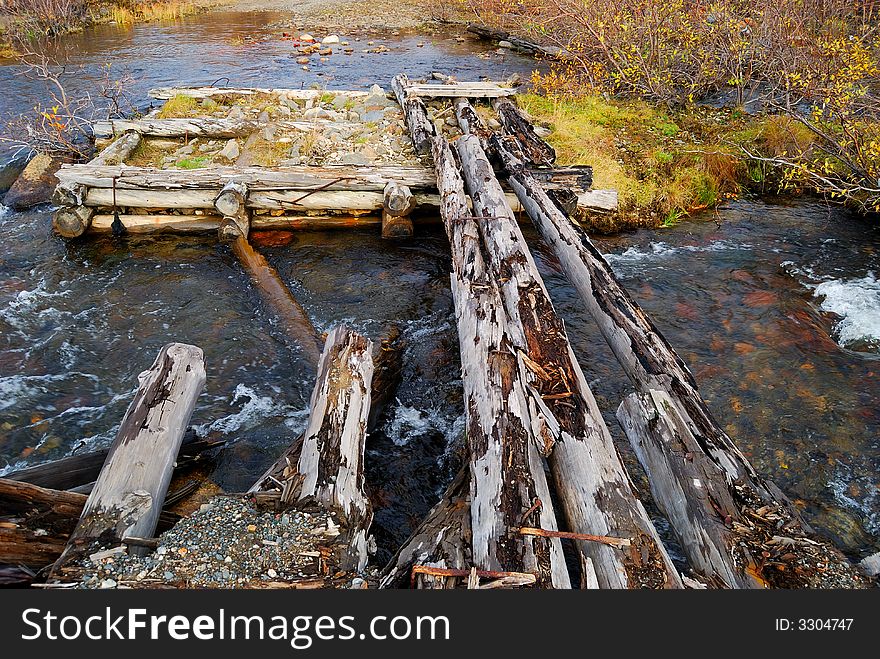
[776, 308]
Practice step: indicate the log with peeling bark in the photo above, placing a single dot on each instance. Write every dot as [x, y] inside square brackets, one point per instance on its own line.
[294, 319]
[592, 483]
[421, 130]
[508, 483]
[442, 540]
[127, 496]
[678, 441]
[329, 470]
[533, 150]
[231, 203]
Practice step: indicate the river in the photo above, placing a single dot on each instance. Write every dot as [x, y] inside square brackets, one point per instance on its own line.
[775, 307]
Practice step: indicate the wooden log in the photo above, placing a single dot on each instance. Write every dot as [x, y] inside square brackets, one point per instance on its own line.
[102, 223]
[34, 549]
[441, 540]
[77, 470]
[592, 483]
[206, 127]
[397, 204]
[330, 468]
[306, 178]
[231, 204]
[72, 221]
[532, 149]
[415, 113]
[135, 477]
[165, 93]
[459, 89]
[508, 484]
[275, 292]
[518, 43]
[653, 365]
[119, 151]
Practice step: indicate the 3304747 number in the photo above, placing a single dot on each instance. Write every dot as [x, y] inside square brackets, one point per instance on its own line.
[814, 624]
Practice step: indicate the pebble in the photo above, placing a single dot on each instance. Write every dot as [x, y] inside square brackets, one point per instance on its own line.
[108, 583]
[330, 39]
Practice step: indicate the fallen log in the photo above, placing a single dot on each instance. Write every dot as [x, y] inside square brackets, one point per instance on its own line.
[119, 151]
[508, 484]
[293, 317]
[421, 130]
[517, 43]
[138, 469]
[595, 490]
[330, 471]
[694, 447]
[77, 470]
[441, 540]
[532, 150]
[459, 89]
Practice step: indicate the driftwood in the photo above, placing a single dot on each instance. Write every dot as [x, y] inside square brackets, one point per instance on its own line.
[36, 522]
[294, 319]
[532, 149]
[517, 43]
[119, 151]
[673, 432]
[441, 540]
[135, 477]
[421, 130]
[459, 89]
[78, 470]
[508, 484]
[591, 481]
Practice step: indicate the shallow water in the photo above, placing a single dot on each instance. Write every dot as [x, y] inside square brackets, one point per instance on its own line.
[774, 306]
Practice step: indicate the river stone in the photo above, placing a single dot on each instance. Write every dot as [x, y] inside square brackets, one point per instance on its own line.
[231, 151]
[35, 184]
[340, 101]
[871, 565]
[354, 159]
[505, 44]
[330, 39]
[10, 171]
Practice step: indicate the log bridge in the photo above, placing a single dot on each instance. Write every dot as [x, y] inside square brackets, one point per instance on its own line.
[542, 467]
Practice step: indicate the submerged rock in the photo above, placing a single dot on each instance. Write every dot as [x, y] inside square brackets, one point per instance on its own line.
[35, 184]
[10, 171]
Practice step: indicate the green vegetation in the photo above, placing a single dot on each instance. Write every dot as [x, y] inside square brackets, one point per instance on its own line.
[180, 106]
[197, 162]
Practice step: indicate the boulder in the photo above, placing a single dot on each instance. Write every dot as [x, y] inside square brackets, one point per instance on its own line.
[35, 185]
[10, 171]
[330, 39]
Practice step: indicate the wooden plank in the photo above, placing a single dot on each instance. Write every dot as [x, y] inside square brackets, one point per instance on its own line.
[127, 496]
[461, 90]
[210, 127]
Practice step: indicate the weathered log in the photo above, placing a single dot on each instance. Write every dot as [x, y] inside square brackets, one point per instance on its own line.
[258, 179]
[508, 484]
[135, 477]
[421, 130]
[77, 470]
[165, 93]
[293, 317]
[441, 540]
[119, 151]
[36, 522]
[518, 43]
[231, 204]
[14, 576]
[72, 221]
[592, 483]
[533, 150]
[652, 365]
[205, 127]
[459, 89]
[397, 204]
[157, 223]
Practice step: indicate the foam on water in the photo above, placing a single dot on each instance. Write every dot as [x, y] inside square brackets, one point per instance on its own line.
[409, 422]
[253, 412]
[857, 302]
[661, 249]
